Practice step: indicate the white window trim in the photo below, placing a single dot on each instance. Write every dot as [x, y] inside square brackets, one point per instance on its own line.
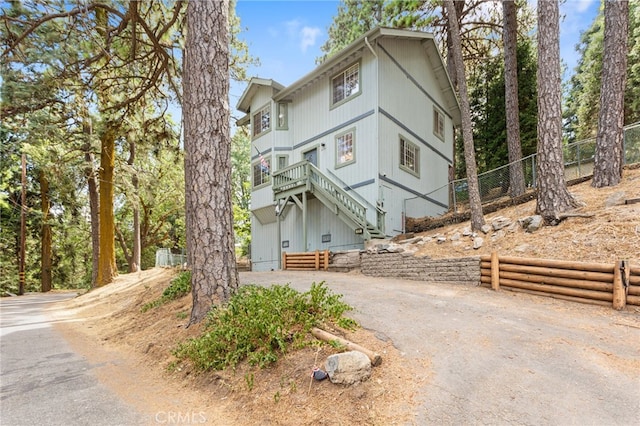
[437, 116]
[265, 177]
[282, 120]
[260, 112]
[416, 150]
[343, 74]
[353, 148]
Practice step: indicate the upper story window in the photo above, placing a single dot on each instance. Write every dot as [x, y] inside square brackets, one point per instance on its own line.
[438, 123]
[345, 153]
[283, 119]
[409, 157]
[261, 171]
[262, 120]
[345, 84]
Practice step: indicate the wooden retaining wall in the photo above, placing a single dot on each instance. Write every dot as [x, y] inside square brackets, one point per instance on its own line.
[309, 261]
[606, 284]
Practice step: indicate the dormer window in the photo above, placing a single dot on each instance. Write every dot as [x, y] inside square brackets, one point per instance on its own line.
[262, 121]
[345, 84]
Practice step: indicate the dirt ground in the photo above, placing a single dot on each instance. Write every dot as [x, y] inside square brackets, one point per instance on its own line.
[108, 327]
[134, 349]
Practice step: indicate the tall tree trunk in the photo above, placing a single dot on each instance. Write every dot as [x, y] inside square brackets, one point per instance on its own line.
[510, 37]
[134, 261]
[23, 228]
[107, 260]
[553, 196]
[451, 64]
[209, 216]
[94, 211]
[609, 157]
[475, 204]
[45, 279]
[136, 253]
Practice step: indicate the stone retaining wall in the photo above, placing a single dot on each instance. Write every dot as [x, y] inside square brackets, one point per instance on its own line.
[407, 266]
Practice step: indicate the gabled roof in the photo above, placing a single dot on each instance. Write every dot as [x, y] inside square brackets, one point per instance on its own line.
[254, 84]
[427, 40]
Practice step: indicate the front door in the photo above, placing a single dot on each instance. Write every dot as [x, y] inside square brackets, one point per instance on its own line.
[312, 156]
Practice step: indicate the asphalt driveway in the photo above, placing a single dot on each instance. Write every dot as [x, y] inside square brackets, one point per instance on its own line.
[498, 357]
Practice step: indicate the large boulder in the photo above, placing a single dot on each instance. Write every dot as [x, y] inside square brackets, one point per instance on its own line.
[348, 368]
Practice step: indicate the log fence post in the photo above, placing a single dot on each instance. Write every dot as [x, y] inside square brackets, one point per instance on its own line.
[495, 271]
[619, 287]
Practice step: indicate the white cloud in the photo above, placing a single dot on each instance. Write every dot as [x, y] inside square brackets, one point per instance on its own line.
[583, 5]
[293, 27]
[308, 37]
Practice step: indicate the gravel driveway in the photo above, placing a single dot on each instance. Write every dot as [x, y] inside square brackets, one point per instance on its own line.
[497, 357]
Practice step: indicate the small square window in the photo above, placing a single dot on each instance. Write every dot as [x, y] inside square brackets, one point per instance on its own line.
[345, 148]
[409, 157]
[345, 84]
[326, 238]
[285, 244]
[438, 123]
[262, 121]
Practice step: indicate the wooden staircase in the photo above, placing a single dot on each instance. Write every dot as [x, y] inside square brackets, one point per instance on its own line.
[305, 177]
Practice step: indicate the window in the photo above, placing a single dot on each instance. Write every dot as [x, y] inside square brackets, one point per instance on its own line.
[345, 84]
[261, 172]
[409, 157]
[283, 161]
[438, 123]
[345, 148]
[262, 120]
[282, 117]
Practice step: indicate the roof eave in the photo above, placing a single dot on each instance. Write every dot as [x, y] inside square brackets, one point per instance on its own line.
[244, 103]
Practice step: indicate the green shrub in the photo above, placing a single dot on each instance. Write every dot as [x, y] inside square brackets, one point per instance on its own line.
[178, 287]
[258, 324]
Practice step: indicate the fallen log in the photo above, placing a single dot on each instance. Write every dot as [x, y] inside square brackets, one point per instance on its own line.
[325, 336]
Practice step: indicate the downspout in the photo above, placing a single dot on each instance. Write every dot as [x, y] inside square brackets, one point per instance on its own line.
[366, 41]
[377, 127]
[278, 213]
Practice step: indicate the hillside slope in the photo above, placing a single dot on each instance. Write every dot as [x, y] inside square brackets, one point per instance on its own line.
[611, 234]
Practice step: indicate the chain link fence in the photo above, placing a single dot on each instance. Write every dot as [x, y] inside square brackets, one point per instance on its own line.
[494, 184]
[164, 258]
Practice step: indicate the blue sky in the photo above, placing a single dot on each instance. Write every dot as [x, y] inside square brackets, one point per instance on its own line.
[286, 35]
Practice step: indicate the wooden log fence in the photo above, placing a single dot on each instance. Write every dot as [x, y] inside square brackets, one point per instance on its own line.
[614, 285]
[307, 261]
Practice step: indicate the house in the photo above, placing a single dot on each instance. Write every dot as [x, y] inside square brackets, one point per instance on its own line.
[337, 155]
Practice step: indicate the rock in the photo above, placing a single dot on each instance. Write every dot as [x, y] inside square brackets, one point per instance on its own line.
[500, 234]
[486, 228]
[615, 199]
[394, 248]
[522, 248]
[402, 237]
[500, 222]
[441, 239]
[513, 227]
[531, 223]
[348, 368]
[455, 237]
[427, 239]
[535, 224]
[477, 242]
[411, 240]
[466, 232]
